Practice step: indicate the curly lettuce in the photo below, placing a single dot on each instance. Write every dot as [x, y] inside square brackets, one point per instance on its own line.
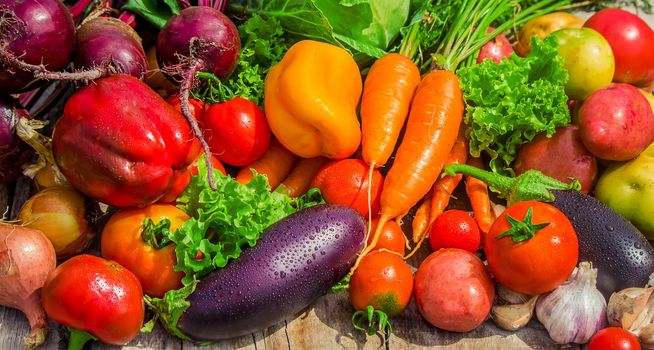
[508, 103]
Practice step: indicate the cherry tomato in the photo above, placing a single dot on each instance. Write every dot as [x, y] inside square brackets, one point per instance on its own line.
[95, 295]
[237, 131]
[196, 107]
[345, 182]
[383, 280]
[455, 229]
[614, 338]
[392, 237]
[631, 41]
[123, 242]
[540, 261]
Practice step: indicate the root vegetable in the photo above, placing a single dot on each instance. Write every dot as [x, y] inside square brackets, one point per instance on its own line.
[26, 259]
[198, 39]
[13, 152]
[515, 316]
[39, 33]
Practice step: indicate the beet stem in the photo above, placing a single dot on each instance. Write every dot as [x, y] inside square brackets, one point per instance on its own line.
[78, 9]
[128, 18]
[185, 4]
[187, 84]
[207, 3]
[40, 72]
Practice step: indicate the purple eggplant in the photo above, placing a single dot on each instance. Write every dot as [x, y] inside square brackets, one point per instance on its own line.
[13, 151]
[298, 259]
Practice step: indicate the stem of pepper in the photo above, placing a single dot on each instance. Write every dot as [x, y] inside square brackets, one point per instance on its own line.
[78, 338]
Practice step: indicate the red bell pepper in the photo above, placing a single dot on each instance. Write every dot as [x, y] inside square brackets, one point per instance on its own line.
[120, 143]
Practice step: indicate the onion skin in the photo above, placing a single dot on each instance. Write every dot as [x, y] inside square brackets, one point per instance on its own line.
[107, 38]
[60, 213]
[46, 35]
[26, 259]
[13, 151]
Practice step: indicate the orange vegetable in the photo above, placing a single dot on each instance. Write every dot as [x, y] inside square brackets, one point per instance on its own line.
[298, 181]
[431, 131]
[276, 164]
[477, 192]
[420, 223]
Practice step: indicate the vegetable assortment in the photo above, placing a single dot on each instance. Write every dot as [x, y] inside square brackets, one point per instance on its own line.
[220, 165]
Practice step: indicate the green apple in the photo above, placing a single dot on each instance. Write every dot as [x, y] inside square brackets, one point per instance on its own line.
[588, 59]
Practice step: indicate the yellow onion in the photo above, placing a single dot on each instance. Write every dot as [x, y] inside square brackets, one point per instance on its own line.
[60, 213]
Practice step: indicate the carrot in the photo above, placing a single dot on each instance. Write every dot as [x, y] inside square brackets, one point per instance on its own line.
[298, 181]
[431, 130]
[387, 93]
[276, 164]
[420, 223]
[477, 192]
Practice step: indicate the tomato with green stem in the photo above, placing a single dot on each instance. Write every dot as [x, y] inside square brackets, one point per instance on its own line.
[94, 297]
[532, 248]
[136, 239]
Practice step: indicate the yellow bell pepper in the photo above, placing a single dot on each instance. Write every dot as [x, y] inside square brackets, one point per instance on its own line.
[311, 98]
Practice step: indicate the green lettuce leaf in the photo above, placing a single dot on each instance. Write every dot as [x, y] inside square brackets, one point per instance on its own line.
[508, 103]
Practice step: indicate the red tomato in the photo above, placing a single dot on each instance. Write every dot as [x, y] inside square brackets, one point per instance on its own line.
[538, 263]
[632, 43]
[455, 229]
[123, 243]
[95, 295]
[383, 280]
[614, 338]
[196, 107]
[345, 182]
[392, 237]
[237, 131]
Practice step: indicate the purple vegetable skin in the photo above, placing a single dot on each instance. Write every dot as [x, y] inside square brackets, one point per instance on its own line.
[298, 259]
[13, 151]
[35, 32]
[105, 40]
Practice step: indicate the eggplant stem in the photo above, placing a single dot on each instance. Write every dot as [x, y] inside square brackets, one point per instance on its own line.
[187, 84]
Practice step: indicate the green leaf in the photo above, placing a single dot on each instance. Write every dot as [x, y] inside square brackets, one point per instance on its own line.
[154, 11]
[509, 103]
[169, 309]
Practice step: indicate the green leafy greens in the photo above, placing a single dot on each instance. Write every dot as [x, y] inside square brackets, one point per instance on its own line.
[364, 27]
[222, 224]
[263, 44]
[508, 103]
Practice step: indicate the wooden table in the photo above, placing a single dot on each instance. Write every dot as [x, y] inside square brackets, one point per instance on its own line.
[324, 325]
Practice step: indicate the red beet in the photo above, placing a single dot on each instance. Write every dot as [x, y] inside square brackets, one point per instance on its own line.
[13, 151]
[37, 32]
[198, 39]
[106, 40]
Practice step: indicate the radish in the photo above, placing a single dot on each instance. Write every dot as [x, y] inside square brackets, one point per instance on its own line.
[36, 32]
[495, 49]
[198, 39]
[26, 259]
[13, 151]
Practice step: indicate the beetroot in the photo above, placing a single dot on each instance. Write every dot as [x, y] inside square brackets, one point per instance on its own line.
[37, 32]
[198, 39]
[106, 40]
[13, 151]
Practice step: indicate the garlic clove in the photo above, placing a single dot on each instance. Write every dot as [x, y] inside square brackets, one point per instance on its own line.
[508, 296]
[513, 317]
[625, 306]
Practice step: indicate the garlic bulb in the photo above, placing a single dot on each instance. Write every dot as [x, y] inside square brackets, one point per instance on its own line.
[574, 311]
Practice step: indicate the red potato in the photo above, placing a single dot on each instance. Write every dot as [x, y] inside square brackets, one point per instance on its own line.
[453, 290]
[563, 156]
[616, 123]
[495, 49]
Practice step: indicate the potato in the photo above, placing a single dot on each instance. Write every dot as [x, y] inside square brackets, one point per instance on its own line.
[563, 156]
[453, 290]
[542, 27]
[616, 123]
